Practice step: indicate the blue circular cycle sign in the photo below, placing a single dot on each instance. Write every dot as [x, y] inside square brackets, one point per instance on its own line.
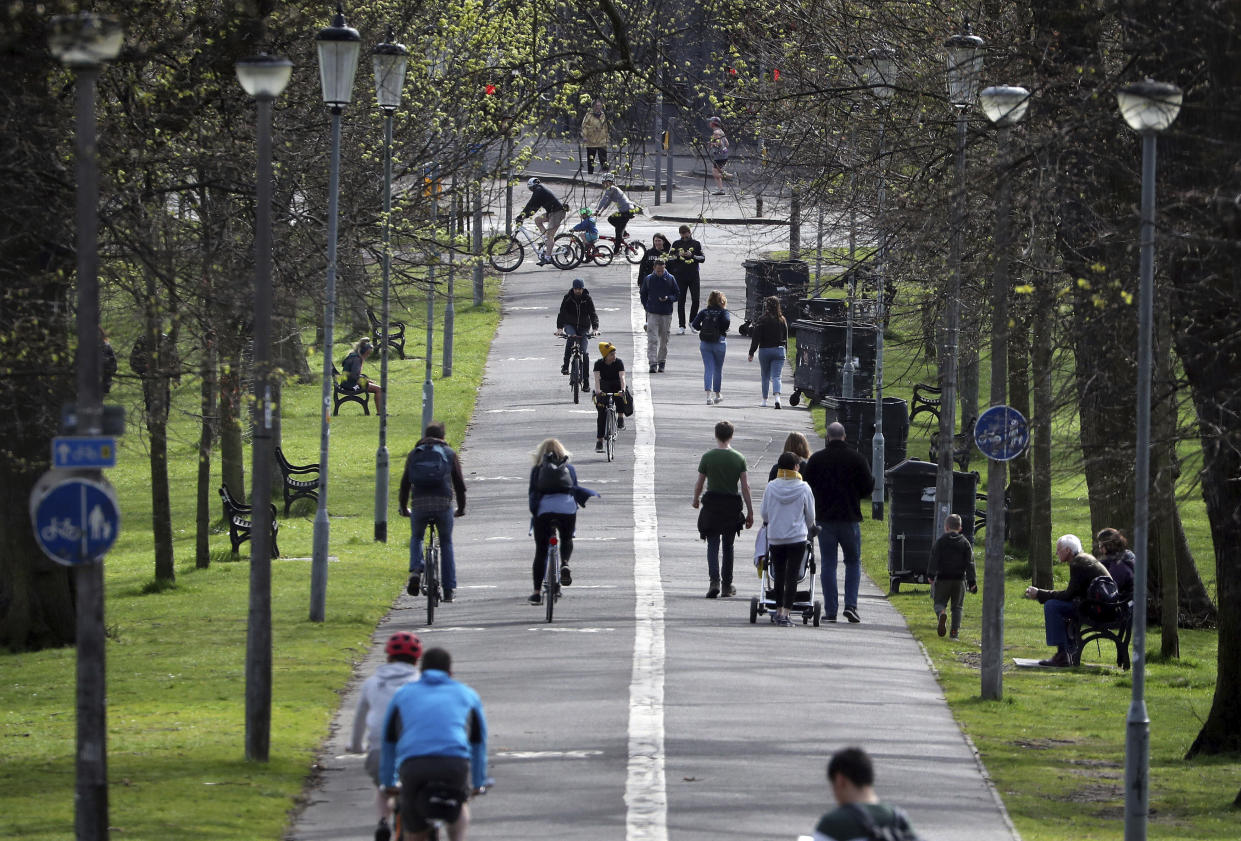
[1002, 433]
[75, 519]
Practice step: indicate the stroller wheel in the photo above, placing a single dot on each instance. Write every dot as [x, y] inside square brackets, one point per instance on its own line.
[754, 610]
[818, 613]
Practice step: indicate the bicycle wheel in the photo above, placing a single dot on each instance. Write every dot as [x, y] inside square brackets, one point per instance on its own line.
[551, 575]
[635, 252]
[566, 251]
[432, 577]
[505, 253]
[609, 433]
[602, 255]
[575, 376]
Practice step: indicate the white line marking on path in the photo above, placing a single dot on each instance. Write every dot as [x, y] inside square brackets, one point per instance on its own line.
[502, 411]
[646, 795]
[560, 630]
[549, 754]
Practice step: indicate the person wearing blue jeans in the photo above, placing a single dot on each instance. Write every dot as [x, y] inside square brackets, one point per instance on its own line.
[840, 478]
[1060, 606]
[431, 478]
[711, 325]
[770, 337]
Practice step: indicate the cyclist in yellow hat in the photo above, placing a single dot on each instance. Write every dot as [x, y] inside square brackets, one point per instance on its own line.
[609, 379]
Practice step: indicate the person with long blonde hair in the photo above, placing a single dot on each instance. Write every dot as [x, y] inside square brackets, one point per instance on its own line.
[554, 499]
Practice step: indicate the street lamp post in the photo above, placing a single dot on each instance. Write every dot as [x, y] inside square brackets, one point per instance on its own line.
[880, 74]
[436, 60]
[263, 77]
[339, 46]
[84, 42]
[390, 60]
[964, 69]
[1004, 106]
[1149, 108]
[858, 65]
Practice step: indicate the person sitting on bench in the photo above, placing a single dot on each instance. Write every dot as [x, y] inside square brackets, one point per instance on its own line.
[1112, 550]
[352, 365]
[1060, 606]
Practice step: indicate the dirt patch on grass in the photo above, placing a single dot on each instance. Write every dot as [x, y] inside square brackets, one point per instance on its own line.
[1041, 744]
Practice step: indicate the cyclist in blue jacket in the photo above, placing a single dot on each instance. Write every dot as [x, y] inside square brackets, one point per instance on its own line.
[435, 735]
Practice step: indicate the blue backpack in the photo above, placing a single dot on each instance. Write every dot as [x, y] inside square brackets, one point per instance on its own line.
[430, 468]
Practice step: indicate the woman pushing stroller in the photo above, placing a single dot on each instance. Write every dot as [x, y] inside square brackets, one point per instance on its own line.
[788, 516]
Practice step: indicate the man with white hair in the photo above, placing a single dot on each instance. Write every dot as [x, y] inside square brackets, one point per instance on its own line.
[1060, 606]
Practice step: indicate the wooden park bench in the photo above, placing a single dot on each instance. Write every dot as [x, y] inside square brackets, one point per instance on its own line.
[295, 488]
[240, 522]
[396, 333]
[342, 392]
[1119, 630]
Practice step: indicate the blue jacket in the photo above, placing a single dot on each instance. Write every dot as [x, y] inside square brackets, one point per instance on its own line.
[574, 499]
[654, 288]
[434, 716]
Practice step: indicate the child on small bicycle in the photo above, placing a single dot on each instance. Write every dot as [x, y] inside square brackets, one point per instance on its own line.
[609, 379]
[555, 497]
[590, 231]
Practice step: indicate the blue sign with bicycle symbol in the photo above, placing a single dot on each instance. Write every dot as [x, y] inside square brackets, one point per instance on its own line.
[76, 521]
[1002, 433]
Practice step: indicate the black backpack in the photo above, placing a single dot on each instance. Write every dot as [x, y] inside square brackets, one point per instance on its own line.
[898, 830]
[553, 476]
[430, 468]
[709, 327]
[1102, 598]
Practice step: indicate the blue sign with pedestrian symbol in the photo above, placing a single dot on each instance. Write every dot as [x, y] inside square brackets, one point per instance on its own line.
[80, 451]
[1002, 433]
[76, 521]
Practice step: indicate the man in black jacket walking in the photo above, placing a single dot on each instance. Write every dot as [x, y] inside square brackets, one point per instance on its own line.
[576, 320]
[840, 479]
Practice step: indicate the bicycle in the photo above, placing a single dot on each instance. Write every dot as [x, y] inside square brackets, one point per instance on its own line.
[591, 252]
[551, 572]
[506, 253]
[611, 425]
[633, 249]
[431, 571]
[436, 799]
[577, 364]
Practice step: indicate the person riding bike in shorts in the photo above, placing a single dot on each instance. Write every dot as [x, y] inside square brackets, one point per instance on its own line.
[549, 220]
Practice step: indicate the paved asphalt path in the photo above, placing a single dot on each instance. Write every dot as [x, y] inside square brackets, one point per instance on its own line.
[646, 712]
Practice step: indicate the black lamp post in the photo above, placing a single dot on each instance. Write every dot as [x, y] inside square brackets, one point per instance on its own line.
[263, 77]
[83, 43]
[1004, 106]
[389, 60]
[339, 46]
[435, 64]
[1149, 108]
[964, 70]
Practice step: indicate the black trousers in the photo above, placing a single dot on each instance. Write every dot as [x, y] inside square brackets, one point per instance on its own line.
[688, 287]
[602, 153]
[785, 559]
[543, 533]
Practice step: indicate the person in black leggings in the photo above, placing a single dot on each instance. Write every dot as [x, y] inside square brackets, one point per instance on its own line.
[788, 514]
[554, 498]
[609, 379]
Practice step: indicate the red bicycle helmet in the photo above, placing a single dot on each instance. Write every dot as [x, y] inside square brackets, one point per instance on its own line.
[403, 644]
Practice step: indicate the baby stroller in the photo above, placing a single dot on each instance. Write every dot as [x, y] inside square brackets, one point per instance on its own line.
[804, 602]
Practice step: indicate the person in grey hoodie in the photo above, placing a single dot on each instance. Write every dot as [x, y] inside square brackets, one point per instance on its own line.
[403, 650]
[951, 570]
[788, 515]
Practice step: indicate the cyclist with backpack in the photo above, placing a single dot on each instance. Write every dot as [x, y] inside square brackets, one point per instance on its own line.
[1061, 607]
[549, 220]
[859, 813]
[555, 496]
[711, 324]
[432, 477]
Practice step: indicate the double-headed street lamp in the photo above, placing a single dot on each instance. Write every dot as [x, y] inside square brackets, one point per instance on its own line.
[85, 42]
[1004, 106]
[965, 52]
[263, 77]
[1149, 108]
[390, 60]
[339, 46]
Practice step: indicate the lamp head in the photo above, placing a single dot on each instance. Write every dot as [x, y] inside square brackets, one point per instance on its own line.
[1004, 105]
[880, 73]
[965, 51]
[339, 45]
[390, 60]
[264, 76]
[1149, 106]
[85, 39]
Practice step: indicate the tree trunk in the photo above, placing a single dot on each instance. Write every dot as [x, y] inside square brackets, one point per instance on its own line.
[1041, 358]
[232, 451]
[155, 390]
[206, 445]
[1020, 487]
[36, 596]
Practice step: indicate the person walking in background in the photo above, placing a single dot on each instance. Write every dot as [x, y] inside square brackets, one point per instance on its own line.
[787, 513]
[722, 471]
[432, 476]
[687, 256]
[840, 479]
[403, 650]
[659, 249]
[711, 325]
[717, 148]
[555, 497]
[595, 137]
[859, 813]
[951, 570]
[797, 444]
[575, 321]
[770, 337]
[658, 293]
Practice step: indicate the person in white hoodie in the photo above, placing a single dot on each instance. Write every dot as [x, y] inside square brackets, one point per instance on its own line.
[403, 650]
[788, 514]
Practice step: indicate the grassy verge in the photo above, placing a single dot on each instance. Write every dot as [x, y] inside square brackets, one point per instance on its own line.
[1055, 744]
[176, 658]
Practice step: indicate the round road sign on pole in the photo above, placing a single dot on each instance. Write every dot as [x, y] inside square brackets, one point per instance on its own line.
[75, 518]
[1002, 433]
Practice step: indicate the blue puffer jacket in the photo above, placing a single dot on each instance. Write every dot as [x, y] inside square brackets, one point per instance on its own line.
[435, 716]
[659, 293]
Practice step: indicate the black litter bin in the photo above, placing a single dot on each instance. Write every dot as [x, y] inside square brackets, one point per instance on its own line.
[821, 355]
[788, 280]
[910, 488]
[858, 416]
[819, 309]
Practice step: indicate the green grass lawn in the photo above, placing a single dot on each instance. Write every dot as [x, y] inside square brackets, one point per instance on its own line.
[176, 659]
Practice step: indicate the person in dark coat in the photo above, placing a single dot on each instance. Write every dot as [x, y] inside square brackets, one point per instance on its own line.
[1060, 606]
[686, 257]
[840, 479]
[575, 321]
[951, 570]
[1112, 550]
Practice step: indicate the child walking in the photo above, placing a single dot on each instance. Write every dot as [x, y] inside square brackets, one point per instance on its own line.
[951, 570]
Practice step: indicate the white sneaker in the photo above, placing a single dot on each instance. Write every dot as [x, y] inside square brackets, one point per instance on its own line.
[681, 332]
[718, 397]
[764, 403]
[710, 402]
[777, 402]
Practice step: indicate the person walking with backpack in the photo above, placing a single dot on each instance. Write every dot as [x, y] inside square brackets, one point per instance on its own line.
[1060, 607]
[770, 337]
[711, 324]
[555, 497]
[432, 477]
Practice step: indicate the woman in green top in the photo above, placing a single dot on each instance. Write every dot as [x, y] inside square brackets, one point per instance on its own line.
[722, 471]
